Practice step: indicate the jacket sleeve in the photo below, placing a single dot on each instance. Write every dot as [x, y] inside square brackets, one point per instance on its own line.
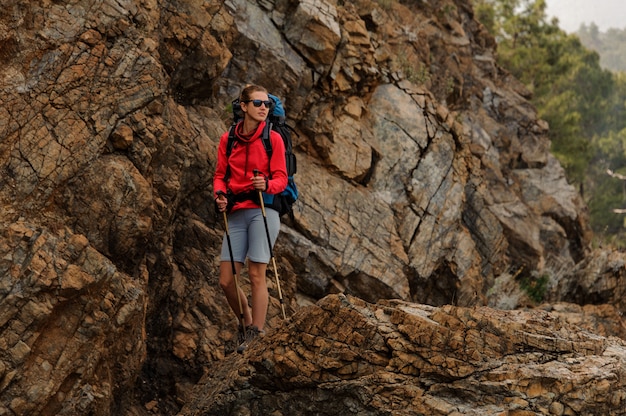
[219, 179]
[278, 168]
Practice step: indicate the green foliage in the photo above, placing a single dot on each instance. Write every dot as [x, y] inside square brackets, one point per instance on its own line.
[610, 45]
[609, 192]
[569, 86]
[535, 288]
[419, 75]
[584, 104]
[486, 14]
[385, 4]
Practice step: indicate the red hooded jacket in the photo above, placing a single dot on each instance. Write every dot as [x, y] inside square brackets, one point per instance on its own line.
[247, 155]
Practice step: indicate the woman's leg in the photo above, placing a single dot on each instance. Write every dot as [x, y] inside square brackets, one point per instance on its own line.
[227, 283]
[260, 296]
[258, 257]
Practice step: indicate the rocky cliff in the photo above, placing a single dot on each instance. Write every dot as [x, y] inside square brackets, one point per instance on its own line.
[399, 359]
[425, 177]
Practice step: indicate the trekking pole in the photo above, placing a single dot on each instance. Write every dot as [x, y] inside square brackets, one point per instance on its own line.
[232, 264]
[269, 243]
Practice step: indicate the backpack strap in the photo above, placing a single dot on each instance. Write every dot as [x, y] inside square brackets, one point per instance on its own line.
[267, 143]
[231, 140]
[229, 148]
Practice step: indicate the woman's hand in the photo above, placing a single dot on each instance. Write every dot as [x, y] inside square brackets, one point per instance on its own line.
[221, 202]
[259, 181]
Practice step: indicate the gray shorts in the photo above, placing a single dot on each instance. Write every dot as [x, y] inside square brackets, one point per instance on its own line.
[248, 236]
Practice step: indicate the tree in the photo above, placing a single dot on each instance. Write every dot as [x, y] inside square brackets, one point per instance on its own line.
[611, 46]
[584, 104]
[569, 86]
[608, 167]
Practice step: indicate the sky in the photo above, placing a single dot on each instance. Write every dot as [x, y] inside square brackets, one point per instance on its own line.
[606, 14]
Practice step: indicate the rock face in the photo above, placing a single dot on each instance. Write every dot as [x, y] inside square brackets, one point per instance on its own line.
[65, 312]
[425, 176]
[344, 356]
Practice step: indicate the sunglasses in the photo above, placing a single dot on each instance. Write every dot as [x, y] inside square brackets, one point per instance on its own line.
[257, 103]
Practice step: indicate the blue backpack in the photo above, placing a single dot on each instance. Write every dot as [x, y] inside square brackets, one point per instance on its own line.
[283, 202]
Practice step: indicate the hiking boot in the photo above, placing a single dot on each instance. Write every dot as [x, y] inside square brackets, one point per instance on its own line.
[250, 334]
[241, 334]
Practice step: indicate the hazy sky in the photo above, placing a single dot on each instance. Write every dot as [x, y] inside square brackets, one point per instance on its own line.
[605, 14]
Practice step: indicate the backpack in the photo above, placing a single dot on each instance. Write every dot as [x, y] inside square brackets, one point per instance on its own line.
[282, 202]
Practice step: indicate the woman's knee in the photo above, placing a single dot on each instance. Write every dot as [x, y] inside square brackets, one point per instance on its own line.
[227, 280]
[256, 272]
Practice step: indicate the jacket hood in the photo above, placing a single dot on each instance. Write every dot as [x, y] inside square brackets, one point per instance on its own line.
[247, 138]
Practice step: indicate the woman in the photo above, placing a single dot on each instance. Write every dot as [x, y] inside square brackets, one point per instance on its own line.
[236, 185]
